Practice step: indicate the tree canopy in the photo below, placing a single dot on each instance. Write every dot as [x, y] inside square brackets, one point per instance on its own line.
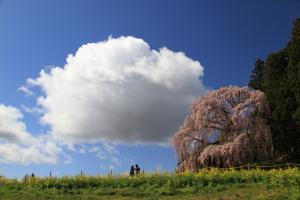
[279, 78]
[237, 115]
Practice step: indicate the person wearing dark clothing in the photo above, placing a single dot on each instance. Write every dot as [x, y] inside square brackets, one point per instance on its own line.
[131, 171]
[32, 175]
[137, 169]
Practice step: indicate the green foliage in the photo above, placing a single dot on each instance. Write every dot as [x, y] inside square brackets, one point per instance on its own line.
[257, 75]
[157, 185]
[279, 78]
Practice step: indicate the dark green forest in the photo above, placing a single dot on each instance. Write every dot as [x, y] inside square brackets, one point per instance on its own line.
[278, 76]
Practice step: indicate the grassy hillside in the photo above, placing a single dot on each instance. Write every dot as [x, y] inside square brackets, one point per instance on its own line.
[206, 184]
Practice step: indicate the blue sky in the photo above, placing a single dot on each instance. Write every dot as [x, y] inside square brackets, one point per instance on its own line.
[226, 37]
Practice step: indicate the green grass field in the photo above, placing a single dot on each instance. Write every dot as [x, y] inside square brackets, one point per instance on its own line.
[206, 184]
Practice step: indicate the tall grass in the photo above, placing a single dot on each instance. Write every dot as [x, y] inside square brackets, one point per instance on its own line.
[168, 183]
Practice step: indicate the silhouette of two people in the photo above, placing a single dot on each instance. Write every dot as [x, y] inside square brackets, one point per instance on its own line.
[135, 170]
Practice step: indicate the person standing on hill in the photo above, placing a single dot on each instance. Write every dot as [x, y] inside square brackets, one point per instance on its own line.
[137, 169]
[131, 173]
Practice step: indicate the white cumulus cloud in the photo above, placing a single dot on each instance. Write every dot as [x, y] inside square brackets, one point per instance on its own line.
[119, 90]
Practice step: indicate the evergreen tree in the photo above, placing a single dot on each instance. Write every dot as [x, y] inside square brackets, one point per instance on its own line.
[294, 71]
[279, 78]
[293, 89]
[257, 75]
[274, 86]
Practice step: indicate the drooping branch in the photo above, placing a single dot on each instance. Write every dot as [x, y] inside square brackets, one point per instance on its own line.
[230, 111]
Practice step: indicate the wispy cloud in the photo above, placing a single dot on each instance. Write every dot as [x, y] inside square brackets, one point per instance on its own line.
[26, 91]
[33, 110]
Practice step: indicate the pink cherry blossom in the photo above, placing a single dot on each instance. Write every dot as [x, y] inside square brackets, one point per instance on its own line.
[237, 116]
